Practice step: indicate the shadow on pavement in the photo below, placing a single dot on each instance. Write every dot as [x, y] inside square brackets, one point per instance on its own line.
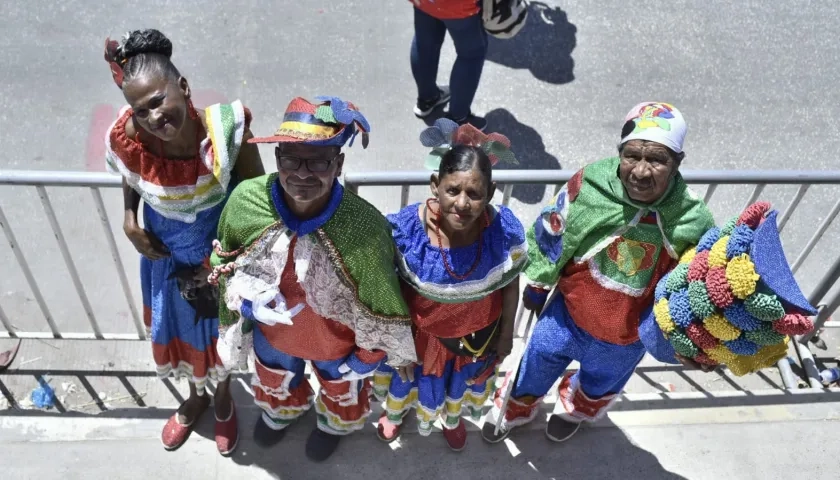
[527, 144]
[544, 46]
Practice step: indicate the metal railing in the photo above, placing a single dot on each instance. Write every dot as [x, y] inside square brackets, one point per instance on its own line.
[94, 182]
[760, 179]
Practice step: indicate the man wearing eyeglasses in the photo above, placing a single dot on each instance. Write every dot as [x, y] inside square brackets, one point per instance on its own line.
[306, 272]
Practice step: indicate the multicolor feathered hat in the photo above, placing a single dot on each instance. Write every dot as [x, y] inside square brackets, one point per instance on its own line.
[733, 299]
[445, 133]
[329, 123]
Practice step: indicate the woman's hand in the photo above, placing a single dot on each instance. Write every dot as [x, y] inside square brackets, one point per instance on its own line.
[146, 243]
[504, 345]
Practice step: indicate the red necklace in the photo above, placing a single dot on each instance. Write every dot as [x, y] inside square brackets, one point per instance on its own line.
[446, 265]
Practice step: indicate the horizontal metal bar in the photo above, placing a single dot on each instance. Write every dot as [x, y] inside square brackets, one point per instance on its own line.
[729, 177]
[71, 336]
[59, 179]
[421, 177]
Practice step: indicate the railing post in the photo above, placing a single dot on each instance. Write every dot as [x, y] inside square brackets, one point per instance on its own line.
[68, 259]
[115, 255]
[27, 273]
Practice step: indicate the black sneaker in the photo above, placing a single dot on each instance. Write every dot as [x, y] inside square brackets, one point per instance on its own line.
[425, 107]
[265, 436]
[474, 120]
[321, 445]
[488, 430]
[559, 430]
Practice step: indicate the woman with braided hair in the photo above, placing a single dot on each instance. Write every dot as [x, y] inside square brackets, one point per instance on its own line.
[182, 163]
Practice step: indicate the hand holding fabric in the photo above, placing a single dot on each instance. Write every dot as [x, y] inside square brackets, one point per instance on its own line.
[270, 308]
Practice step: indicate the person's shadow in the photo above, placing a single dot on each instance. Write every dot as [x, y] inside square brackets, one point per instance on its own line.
[527, 144]
[543, 46]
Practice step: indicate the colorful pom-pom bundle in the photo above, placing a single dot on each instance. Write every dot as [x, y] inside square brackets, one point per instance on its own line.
[714, 308]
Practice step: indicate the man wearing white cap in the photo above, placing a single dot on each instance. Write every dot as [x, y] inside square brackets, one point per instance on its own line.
[604, 242]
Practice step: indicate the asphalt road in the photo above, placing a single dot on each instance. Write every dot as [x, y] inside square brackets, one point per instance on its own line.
[756, 82]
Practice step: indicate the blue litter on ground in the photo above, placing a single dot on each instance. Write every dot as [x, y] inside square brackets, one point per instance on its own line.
[44, 395]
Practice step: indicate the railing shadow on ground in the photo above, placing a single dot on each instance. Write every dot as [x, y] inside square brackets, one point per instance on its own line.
[544, 46]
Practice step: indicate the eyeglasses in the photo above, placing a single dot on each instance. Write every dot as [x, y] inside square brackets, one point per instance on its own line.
[292, 163]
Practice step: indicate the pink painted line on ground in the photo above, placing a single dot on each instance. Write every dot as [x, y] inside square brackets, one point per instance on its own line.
[103, 116]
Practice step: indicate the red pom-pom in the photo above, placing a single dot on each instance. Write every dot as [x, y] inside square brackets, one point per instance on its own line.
[698, 267]
[701, 337]
[719, 291]
[754, 214]
[793, 324]
[704, 359]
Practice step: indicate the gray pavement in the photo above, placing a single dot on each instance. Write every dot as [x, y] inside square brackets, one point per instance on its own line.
[756, 81]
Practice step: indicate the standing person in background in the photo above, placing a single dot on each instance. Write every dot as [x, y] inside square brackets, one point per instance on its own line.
[462, 19]
[183, 163]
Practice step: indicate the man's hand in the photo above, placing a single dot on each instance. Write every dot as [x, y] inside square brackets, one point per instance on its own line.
[691, 363]
[531, 304]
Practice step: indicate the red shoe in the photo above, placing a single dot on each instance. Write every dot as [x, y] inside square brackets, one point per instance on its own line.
[227, 433]
[175, 433]
[457, 437]
[386, 430]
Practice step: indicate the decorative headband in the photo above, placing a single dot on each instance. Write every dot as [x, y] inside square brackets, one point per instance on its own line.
[444, 134]
[112, 50]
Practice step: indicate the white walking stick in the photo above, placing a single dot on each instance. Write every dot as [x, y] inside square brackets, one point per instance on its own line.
[509, 387]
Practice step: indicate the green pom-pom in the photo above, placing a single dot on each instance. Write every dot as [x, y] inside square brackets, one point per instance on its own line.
[677, 279]
[764, 307]
[325, 114]
[683, 345]
[728, 227]
[698, 299]
[765, 335]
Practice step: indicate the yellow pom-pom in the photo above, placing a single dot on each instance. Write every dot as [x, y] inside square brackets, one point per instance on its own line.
[720, 328]
[740, 273]
[766, 357]
[721, 355]
[717, 255]
[689, 255]
[663, 316]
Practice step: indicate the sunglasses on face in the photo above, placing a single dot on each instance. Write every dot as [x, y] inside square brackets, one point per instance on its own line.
[293, 163]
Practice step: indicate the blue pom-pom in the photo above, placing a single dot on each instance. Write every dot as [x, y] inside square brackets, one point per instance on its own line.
[738, 315]
[739, 241]
[680, 308]
[742, 346]
[661, 288]
[708, 239]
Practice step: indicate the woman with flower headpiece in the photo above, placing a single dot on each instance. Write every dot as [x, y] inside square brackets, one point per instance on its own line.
[459, 260]
[182, 162]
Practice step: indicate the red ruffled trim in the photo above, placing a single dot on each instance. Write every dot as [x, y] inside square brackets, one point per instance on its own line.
[151, 167]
